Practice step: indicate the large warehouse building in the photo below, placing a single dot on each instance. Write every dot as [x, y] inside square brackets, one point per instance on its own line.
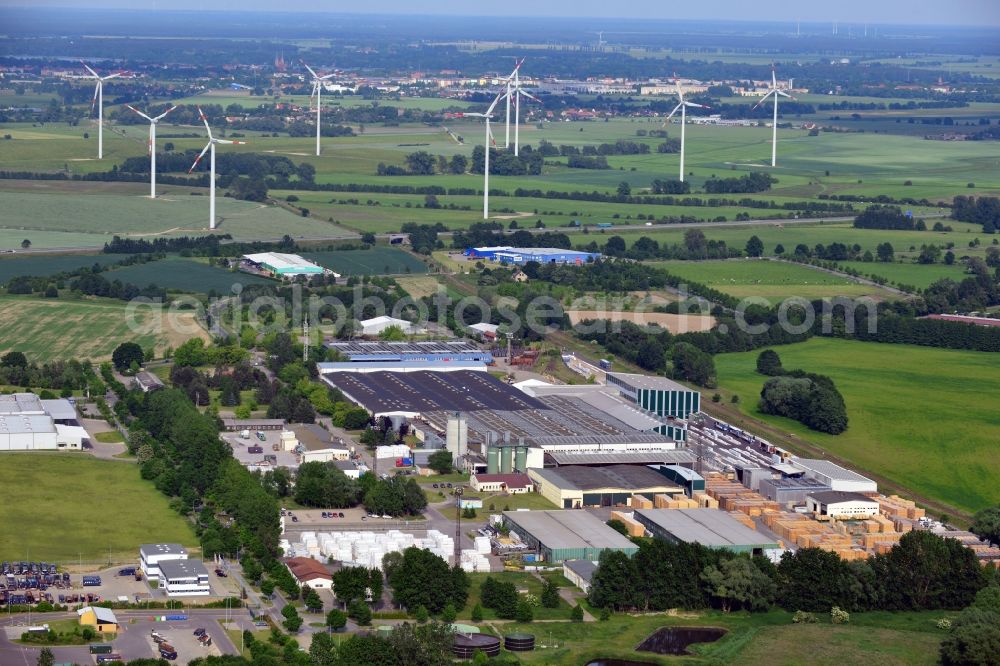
[28, 423]
[504, 430]
[522, 255]
[835, 476]
[658, 395]
[577, 487]
[281, 265]
[566, 535]
[365, 356]
[708, 527]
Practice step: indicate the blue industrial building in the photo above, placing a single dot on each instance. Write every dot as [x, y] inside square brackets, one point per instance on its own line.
[521, 255]
[447, 351]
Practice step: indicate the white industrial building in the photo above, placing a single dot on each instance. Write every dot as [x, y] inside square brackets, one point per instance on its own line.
[376, 325]
[835, 476]
[843, 505]
[325, 455]
[30, 424]
[151, 555]
[184, 578]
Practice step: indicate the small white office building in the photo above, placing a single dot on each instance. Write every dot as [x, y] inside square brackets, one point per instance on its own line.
[842, 505]
[184, 578]
[152, 555]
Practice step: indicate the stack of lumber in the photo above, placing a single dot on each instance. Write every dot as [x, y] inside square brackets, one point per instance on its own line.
[895, 506]
[705, 501]
[675, 502]
[640, 502]
[634, 527]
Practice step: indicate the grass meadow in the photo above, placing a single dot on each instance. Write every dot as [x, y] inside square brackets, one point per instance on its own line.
[772, 280]
[61, 507]
[376, 261]
[58, 329]
[922, 417]
[188, 275]
[907, 272]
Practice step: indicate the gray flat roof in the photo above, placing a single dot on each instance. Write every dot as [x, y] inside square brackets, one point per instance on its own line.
[20, 424]
[832, 470]
[709, 527]
[583, 568]
[606, 402]
[60, 409]
[354, 347]
[19, 403]
[172, 569]
[655, 383]
[800, 483]
[148, 549]
[666, 456]
[835, 496]
[624, 477]
[568, 529]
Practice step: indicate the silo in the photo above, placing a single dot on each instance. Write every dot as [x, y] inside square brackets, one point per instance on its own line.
[457, 435]
[521, 458]
[506, 461]
[493, 460]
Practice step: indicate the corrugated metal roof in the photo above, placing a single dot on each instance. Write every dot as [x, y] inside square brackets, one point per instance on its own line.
[563, 530]
[623, 477]
[666, 456]
[832, 470]
[708, 527]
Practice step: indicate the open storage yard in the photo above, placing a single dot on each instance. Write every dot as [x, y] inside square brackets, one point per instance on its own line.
[923, 417]
[61, 507]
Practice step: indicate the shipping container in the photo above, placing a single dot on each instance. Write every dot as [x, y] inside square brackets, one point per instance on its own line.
[101, 648]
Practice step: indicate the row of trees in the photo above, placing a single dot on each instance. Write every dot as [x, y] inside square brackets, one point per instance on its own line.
[922, 572]
[981, 210]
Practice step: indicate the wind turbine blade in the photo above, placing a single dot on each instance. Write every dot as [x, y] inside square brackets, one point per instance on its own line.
[97, 89]
[204, 119]
[697, 106]
[198, 159]
[324, 78]
[89, 69]
[227, 141]
[774, 80]
[499, 97]
[111, 76]
[764, 98]
[163, 115]
[529, 96]
[314, 75]
[784, 94]
[143, 114]
[676, 109]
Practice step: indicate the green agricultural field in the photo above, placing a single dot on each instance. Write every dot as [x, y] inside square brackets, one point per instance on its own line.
[907, 272]
[790, 235]
[44, 519]
[58, 329]
[773, 280]
[376, 261]
[40, 266]
[74, 209]
[188, 275]
[925, 418]
[753, 639]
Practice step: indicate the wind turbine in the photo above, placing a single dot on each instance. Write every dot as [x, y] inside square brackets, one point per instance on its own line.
[682, 104]
[318, 92]
[513, 90]
[210, 146]
[99, 101]
[486, 157]
[773, 90]
[152, 145]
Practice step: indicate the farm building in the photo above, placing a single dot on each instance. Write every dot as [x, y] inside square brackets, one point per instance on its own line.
[308, 571]
[837, 477]
[501, 483]
[281, 265]
[376, 325]
[839, 504]
[151, 555]
[566, 535]
[102, 620]
[543, 255]
[709, 527]
[184, 578]
[580, 573]
[577, 487]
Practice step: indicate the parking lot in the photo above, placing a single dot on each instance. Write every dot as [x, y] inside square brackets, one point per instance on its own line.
[241, 448]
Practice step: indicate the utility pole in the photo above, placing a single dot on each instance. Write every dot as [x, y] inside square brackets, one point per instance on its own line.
[458, 524]
[305, 344]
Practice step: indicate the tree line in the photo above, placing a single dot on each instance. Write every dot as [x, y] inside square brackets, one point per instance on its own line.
[809, 398]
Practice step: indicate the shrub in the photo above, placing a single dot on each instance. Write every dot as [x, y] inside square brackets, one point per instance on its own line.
[838, 616]
[803, 617]
[944, 623]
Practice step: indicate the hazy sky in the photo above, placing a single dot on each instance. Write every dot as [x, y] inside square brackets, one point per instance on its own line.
[960, 12]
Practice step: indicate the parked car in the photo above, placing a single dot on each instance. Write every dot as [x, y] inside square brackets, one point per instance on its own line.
[221, 573]
[200, 631]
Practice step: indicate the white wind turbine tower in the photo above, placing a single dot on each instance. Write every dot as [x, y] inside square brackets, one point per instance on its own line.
[682, 104]
[486, 157]
[210, 146]
[773, 90]
[152, 145]
[99, 102]
[317, 91]
[514, 91]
